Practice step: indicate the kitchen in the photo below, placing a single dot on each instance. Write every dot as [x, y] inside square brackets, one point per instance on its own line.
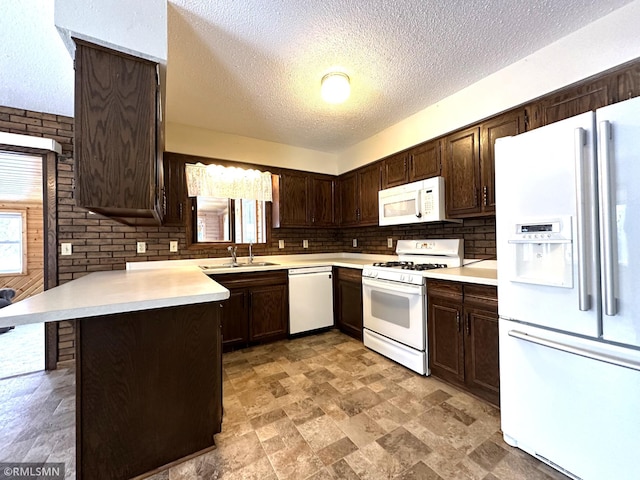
[478, 239]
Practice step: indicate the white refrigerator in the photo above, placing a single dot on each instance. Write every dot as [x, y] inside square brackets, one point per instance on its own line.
[567, 226]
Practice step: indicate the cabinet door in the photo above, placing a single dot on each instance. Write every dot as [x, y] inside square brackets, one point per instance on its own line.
[294, 199]
[509, 124]
[446, 347]
[582, 98]
[176, 193]
[115, 132]
[627, 83]
[348, 199]
[482, 364]
[348, 301]
[424, 161]
[395, 171]
[235, 319]
[462, 177]
[368, 187]
[323, 195]
[268, 312]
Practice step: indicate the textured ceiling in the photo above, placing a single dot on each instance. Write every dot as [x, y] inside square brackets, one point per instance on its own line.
[253, 67]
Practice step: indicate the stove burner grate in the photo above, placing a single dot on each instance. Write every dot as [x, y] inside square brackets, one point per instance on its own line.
[410, 265]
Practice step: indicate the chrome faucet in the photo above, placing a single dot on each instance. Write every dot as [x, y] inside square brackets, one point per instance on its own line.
[250, 252]
[232, 252]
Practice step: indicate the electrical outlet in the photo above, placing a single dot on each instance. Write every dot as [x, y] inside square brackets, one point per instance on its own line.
[141, 247]
[65, 249]
[390, 242]
[305, 243]
[173, 246]
[354, 242]
[280, 243]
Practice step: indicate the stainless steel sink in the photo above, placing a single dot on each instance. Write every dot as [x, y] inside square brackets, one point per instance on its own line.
[237, 265]
[256, 264]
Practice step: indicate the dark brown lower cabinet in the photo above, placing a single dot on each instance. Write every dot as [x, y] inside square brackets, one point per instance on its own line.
[348, 301]
[257, 308]
[463, 336]
[148, 389]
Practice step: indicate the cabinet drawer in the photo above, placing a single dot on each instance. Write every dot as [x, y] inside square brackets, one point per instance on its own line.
[349, 274]
[483, 296]
[451, 290]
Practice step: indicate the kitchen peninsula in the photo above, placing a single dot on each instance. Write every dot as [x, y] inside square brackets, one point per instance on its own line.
[148, 369]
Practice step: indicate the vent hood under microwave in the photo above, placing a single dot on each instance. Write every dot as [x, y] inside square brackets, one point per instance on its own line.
[416, 202]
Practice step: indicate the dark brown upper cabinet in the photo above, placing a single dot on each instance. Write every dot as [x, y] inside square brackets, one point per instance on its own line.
[470, 165]
[302, 199]
[118, 136]
[359, 196]
[176, 190]
[323, 194]
[626, 83]
[571, 101]
[425, 161]
[462, 172]
[505, 125]
[395, 170]
[417, 163]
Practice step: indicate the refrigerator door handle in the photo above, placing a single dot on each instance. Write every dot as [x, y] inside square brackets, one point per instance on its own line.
[584, 302]
[604, 174]
[583, 352]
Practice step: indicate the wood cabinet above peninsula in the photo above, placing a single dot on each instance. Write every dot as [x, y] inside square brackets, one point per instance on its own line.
[118, 135]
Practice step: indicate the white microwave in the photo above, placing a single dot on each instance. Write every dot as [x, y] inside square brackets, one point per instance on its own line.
[416, 202]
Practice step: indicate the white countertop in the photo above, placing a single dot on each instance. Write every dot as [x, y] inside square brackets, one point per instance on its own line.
[103, 293]
[482, 272]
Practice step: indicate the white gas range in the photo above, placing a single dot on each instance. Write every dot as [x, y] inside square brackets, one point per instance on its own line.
[394, 299]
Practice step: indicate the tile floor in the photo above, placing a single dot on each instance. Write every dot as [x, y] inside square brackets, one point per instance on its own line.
[319, 407]
[22, 350]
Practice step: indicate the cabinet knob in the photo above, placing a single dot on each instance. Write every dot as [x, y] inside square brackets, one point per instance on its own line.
[468, 325]
[458, 320]
[485, 196]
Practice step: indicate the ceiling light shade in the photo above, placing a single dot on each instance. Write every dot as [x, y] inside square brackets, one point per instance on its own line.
[335, 87]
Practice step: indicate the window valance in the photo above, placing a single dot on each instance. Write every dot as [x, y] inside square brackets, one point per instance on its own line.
[228, 182]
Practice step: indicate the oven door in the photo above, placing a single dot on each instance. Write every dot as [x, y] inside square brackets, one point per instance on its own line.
[395, 310]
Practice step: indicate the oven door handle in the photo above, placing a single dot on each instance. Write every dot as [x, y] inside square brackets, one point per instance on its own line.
[405, 288]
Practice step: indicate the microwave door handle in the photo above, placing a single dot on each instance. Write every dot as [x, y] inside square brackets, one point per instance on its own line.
[418, 204]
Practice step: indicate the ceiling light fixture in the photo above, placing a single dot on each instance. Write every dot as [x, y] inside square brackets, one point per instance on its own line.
[335, 87]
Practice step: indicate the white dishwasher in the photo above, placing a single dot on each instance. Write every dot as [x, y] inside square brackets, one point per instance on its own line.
[310, 299]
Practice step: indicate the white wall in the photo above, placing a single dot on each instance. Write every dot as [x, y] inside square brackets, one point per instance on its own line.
[207, 143]
[603, 44]
[138, 27]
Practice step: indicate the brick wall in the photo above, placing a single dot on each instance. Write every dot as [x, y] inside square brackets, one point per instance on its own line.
[103, 244]
[479, 236]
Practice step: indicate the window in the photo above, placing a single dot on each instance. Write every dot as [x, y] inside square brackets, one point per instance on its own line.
[228, 220]
[13, 246]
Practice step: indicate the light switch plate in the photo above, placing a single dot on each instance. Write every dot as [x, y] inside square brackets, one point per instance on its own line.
[305, 243]
[141, 247]
[66, 249]
[354, 242]
[280, 243]
[173, 246]
[390, 242]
